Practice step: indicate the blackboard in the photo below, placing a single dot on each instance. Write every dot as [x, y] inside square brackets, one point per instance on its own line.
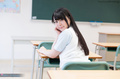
[82, 10]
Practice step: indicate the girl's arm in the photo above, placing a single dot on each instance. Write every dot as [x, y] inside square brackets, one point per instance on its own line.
[50, 53]
[58, 32]
[54, 43]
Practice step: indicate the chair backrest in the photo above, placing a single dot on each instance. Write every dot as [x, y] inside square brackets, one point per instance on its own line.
[47, 45]
[86, 66]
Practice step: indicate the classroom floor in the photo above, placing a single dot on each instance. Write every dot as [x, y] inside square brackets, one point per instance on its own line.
[23, 67]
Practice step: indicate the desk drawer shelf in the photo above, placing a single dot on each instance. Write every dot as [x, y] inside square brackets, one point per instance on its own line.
[112, 49]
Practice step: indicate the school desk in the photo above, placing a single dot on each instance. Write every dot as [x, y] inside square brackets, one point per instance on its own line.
[106, 50]
[35, 45]
[83, 74]
[43, 58]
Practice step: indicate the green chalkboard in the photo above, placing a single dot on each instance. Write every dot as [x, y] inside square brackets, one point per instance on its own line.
[82, 10]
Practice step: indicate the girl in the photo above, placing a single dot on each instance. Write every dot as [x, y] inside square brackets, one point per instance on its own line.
[70, 44]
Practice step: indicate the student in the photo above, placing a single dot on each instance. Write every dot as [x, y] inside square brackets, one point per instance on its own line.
[69, 44]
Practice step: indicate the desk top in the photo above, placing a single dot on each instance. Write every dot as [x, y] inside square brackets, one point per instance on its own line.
[109, 33]
[36, 43]
[107, 44]
[83, 74]
[91, 55]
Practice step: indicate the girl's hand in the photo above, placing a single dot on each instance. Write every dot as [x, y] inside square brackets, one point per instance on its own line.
[42, 50]
[58, 31]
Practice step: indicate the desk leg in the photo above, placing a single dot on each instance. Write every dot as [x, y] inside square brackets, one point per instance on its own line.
[12, 59]
[41, 68]
[33, 61]
[37, 68]
[99, 49]
[100, 53]
[96, 48]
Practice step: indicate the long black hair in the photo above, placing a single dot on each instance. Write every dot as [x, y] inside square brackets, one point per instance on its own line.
[62, 13]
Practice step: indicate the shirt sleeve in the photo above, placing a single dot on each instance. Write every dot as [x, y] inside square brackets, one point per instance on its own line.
[63, 40]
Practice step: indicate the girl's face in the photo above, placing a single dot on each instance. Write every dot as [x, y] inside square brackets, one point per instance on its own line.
[61, 24]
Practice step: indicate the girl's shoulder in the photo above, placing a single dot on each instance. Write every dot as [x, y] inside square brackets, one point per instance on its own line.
[67, 31]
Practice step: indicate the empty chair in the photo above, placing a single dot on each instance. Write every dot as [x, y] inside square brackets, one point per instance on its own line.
[86, 66]
[115, 64]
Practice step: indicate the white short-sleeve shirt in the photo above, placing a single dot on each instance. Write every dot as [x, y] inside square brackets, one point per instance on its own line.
[63, 40]
[67, 44]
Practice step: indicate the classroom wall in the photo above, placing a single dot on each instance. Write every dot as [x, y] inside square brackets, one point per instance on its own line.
[20, 24]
